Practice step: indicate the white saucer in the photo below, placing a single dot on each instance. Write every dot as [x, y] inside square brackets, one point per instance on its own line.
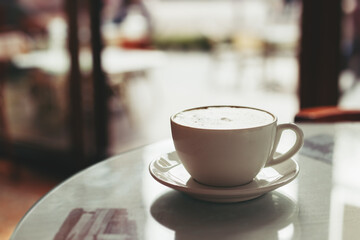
[169, 171]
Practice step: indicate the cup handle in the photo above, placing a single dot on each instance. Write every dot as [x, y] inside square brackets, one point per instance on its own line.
[294, 149]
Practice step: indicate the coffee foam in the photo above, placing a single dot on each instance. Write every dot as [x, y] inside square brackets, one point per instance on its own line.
[223, 118]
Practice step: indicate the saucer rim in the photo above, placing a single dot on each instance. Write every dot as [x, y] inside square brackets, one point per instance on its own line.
[235, 191]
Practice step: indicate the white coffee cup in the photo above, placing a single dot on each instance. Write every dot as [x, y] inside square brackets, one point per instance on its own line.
[229, 145]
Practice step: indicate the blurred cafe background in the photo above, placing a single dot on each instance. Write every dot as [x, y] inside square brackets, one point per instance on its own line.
[82, 80]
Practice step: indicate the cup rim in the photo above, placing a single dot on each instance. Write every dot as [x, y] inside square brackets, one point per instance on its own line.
[223, 129]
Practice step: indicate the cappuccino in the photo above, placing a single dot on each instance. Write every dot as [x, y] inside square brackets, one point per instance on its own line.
[224, 117]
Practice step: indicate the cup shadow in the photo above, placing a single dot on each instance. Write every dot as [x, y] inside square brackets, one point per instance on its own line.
[254, 219]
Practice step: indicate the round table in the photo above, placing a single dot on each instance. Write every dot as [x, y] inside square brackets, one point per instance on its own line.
[118, 199]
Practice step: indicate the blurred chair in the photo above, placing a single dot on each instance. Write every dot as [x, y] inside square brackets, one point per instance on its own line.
[319, 58]
[82, 135]
[327, 114]
[320, 64]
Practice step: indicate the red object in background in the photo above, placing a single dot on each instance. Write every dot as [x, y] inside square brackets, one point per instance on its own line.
[144, 43]
[327, 114]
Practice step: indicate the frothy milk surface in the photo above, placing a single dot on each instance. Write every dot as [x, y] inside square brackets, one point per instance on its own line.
[223, 118]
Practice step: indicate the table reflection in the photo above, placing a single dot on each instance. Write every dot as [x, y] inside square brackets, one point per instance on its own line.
[273, 215]
[345, 195]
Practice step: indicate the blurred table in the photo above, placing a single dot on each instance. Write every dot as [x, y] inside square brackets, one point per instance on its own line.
[114, 60]
[323, 202]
